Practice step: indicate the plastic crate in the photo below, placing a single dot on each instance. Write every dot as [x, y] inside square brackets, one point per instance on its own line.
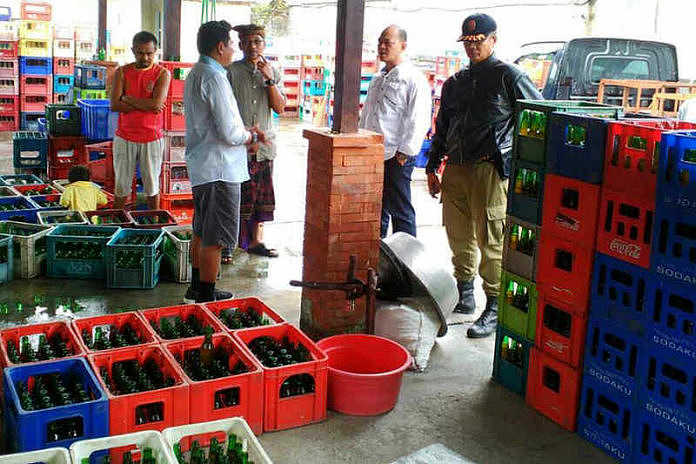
[674, 245]
[659, 441]
[9, 104]
[221, 429]
[35, 28]
[84, 49]
[33, 47]
[243, 305]
[565, 272]
[154, 317]
[117, 321]
[26, 213]
[141, 218]
[179, 71]
[8, 28]
[30, 121]
[560, 332]
[625, 228]
[173, 402]
[633, 153]
[314, 88]
[61, 98]
[9, 86]
[29, 243]
[422, 157]
[91, 94]
[64, 66]
[65, 151]
[177, 254]
[293, 411]
[78, 268]
[9, 48]
[34, 103]
[30, 149]
[174, 116]
[203, 395]
[9, 121]
[519, 320]
[531, 144]
[175, 147]
[179, 206]
[35, 190]
[29, 430]
[570, 209]
[89, 451]
[62, 83]
[20, 179]
[37, 11]
[58, 173]
[64, 120]
[64, 48]
[612, 356]
[43, 129]
[671, 318]
[676, 173]
[146, 275]
[7, 267]
[511, 360]
[98, 121]
[553, 389]
[6, 191]
[175, 179]
[606, 419]
[32, 84]
[48, 202]
[47, 456]
[9, 67]
[36, 65]
[50, 329]
[55, 218]
[90, 77]
[118, 217]
[523, 201]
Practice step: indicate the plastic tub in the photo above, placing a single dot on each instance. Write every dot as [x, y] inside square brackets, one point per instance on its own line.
[364, 373]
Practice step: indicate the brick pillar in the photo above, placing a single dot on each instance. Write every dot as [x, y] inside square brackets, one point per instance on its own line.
[342, 218]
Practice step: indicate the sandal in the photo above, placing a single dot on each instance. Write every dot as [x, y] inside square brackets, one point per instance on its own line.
[261, 250]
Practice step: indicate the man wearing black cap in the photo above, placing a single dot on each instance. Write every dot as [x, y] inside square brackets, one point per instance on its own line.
[474, 129]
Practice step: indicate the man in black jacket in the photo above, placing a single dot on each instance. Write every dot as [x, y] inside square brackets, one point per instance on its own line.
[474, 130]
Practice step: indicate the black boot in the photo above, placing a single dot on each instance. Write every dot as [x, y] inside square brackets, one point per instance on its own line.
[466, 303]
[487, 323]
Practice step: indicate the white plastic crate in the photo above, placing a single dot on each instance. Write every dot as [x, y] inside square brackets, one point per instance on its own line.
[139, 440]
[60, 184]
[63, 32]
[47, 456]
[45, 217]
[63, 48]
[177, 259]
[235, 425]
[9, 31]
[27, 264]
[84, 49]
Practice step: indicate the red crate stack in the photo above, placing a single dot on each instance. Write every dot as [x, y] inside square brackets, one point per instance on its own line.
[176, 194]
[174, 118]
[64, 66]
[9, 112]
[220, 398]
[34, 103]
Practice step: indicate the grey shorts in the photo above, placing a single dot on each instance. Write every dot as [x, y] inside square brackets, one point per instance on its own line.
[148, 155]
[216, 213]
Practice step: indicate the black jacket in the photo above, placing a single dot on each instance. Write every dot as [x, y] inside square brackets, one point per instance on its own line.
[476, 117]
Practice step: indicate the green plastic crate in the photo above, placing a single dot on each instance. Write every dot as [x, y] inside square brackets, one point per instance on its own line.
[511, 360]
[77, 268]
[88, 94]
[516, 319]
[146, 275]
[533, 148]
[29, 247]
[6, 272]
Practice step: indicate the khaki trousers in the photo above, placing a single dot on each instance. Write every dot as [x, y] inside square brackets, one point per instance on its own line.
[474, 200]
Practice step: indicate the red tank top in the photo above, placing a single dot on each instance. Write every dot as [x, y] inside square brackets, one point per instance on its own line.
[140, 126]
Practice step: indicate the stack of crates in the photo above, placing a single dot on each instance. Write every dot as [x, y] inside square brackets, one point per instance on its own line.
[63, 63]
[35, 63]
[89, 82]
[65, 142]
[313, 91]
[9, 73]
[174, 117]
[291, 71]
[85, 48]
[176, 195]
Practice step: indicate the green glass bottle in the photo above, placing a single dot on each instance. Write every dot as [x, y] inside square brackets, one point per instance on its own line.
[207, 349]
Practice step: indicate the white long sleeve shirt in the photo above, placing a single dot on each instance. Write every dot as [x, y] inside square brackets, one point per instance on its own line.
[398, 106]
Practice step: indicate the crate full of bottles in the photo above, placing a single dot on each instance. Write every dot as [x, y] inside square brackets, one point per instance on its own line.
[29, 247]
[511, 360]
[109, 217]
[295, 375]
[133, 258]
[175, 179]
[37, 343]
[152, 219]
[6, 258]
[113, 331]
[30, 150]
[20, 179]
[48, 202]
[55, 218]
[147, 447]
[177, 252]
[521, 247]
[243, 313]
[77, 251]
[224, 380]
[17, 209]
[53, 404]
[145, 387]
[179, 322]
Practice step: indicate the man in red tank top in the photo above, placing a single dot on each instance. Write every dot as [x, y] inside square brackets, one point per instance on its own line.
[139, 94]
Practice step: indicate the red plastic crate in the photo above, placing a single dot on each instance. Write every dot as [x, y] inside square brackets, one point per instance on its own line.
[9, 121]
[553, 388]
[61, 98]
[176, 87]
[243, 305]
[294, 411]
[9, 67]
[175, 147]
[154, 315]
[625, 227]
[34, 103]
[65, 151]
[560, 331]
[64, 66]
[202, 393]
[179, 206]
[570, 209]
[565, 269]
[30, 84]
[9, 86]
[49, 329]
[120, 214]
[9, 49]
[174, 179]
[633, 170]
[122, 408]
[58, 173]
[38, 11]
[133, 318]
[102, 171]
[165, 218]
[174, 117]
[24, 189]
[9, 104]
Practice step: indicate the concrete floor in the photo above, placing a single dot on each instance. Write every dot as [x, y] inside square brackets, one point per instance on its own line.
[453, 402]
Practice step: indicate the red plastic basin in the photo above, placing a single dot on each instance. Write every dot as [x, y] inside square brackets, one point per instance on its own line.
[364, 373]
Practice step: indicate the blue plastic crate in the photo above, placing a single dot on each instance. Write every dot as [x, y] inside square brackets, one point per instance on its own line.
[612, 356]
[620, 292]
[673, 253]
[29, 120]
[7, 267]
[90, 76]
[523, 205]
[30, 150]
[98, 121]
[570, 155]
[672, 318]
[77, 268]
[36, 65]
[62, 83]
[5, 13]
[606, 420]
[676, 176]
[147, 274]
[42, 126]
[314, 88]
[40, 201]
[510, 370]
[27, 213]
[20, 179]
[422, 157]
[29, 430]
[657, 441]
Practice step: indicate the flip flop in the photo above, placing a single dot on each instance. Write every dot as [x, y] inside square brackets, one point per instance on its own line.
[261, 250]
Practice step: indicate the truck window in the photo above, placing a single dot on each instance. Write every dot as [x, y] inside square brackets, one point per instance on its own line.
[612, 67]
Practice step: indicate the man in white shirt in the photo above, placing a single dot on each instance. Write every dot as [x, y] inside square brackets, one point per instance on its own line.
[399, 103]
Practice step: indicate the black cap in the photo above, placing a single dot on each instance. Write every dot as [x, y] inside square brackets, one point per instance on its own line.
[477, 27]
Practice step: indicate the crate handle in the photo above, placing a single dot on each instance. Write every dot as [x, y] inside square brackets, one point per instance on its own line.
[63, 115]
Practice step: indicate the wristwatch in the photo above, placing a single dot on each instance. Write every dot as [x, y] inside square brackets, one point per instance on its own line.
[270, 82]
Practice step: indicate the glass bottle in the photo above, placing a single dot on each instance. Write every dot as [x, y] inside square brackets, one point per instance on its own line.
[207, 349]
